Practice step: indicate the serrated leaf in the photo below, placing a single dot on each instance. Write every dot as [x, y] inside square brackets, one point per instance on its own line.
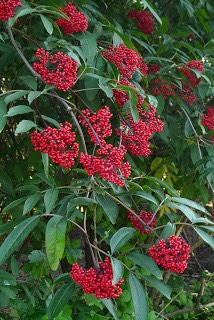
[60, 299]
[168, 230]
[29, 81]
[88, 45]
[55, 240]
[145, 262]
[36, 256]
[139, 298]
[120, 238]
[47, 24]
[31, 202]
[21, 109]
[164, 185]
[16, 237]
[15, 96]
[189, 213]
[50, 199]
[24, 126]
[117, 268]
[160, 286]
[111, 307]
[109, 206]
[189, 203]
[3, 112]
[205, 236]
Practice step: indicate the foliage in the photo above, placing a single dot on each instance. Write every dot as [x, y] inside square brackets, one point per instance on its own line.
[140, 146]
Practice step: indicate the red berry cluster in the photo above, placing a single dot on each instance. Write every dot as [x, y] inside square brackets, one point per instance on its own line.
[171, 254]
[97, 282]
[108, 163]
[121, 97]
[144, 20]
[58, 144]
[147, 217]
[187, 94]
[162, 87]
[136, 135]
[189, 74]
[7, 9]
[207, 119]
[153, 68]
[127, 61]
[76, 21]
[65, 69]
[100, 122]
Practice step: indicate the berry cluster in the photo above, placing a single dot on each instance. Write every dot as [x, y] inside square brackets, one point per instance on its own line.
[162, 87]
[189, 74]
[153, 68]
[171, 254]
[7, 8]
[187, 94]
[144, 20]
[136, 135]
[127, 61]
[58, 144]
[147, 217]
[108, 163]
[63, 70]
[100, 122]
[121, 97]
[207, 120]
[76, 21]
[97, 282]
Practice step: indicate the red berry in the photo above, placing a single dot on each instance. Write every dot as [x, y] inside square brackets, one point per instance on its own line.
[147, 217]
[97, 282]
[76, 21]
[7, 8]
[144, 20]
[171, 254]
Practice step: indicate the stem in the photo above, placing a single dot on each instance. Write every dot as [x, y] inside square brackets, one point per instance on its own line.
[189, 309]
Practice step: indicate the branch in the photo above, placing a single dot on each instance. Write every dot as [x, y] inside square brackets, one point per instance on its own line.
[189, 309]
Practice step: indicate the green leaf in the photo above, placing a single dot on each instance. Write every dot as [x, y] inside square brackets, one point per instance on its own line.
[15, 96]
[145, 262]
[31, 202]
[111, 307]
[147, 5]
[37, 256]
[45, 161]
[205, 236]
[189, 203]
[21, 109]
[117, 268]
[8, 292]
[189, 213]
[133, 100]
[202, 220]
[50, 199]
[164, 185]
[16, 237]
[168, 230]
[3, 111]
[88, 45]
[79, 201]
[109, 206]
[52, 121]
[14, 267]
[13, 204]
[24, 126]
[33, 95]
[203, 88]
[60, 299]
[120, 238]
[160, 286]
[7, 279]
[139, 298]
[30, 81]
[55, 240]
[153, 101]
[47, 24]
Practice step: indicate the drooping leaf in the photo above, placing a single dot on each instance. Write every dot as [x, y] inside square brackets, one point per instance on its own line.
[31, 202]
[189, 213]
[159, 285]
[50, 199]
[205, 236]
[117, 268]
[120, 238]
[47, 24]
[111, 307]
[21, 109]
[109, 206]
[139, 298]
[55, 240]
[60, 299]
[3, 111]
[168, 230]
[145, 262]
[16, 237]
[24, 126]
